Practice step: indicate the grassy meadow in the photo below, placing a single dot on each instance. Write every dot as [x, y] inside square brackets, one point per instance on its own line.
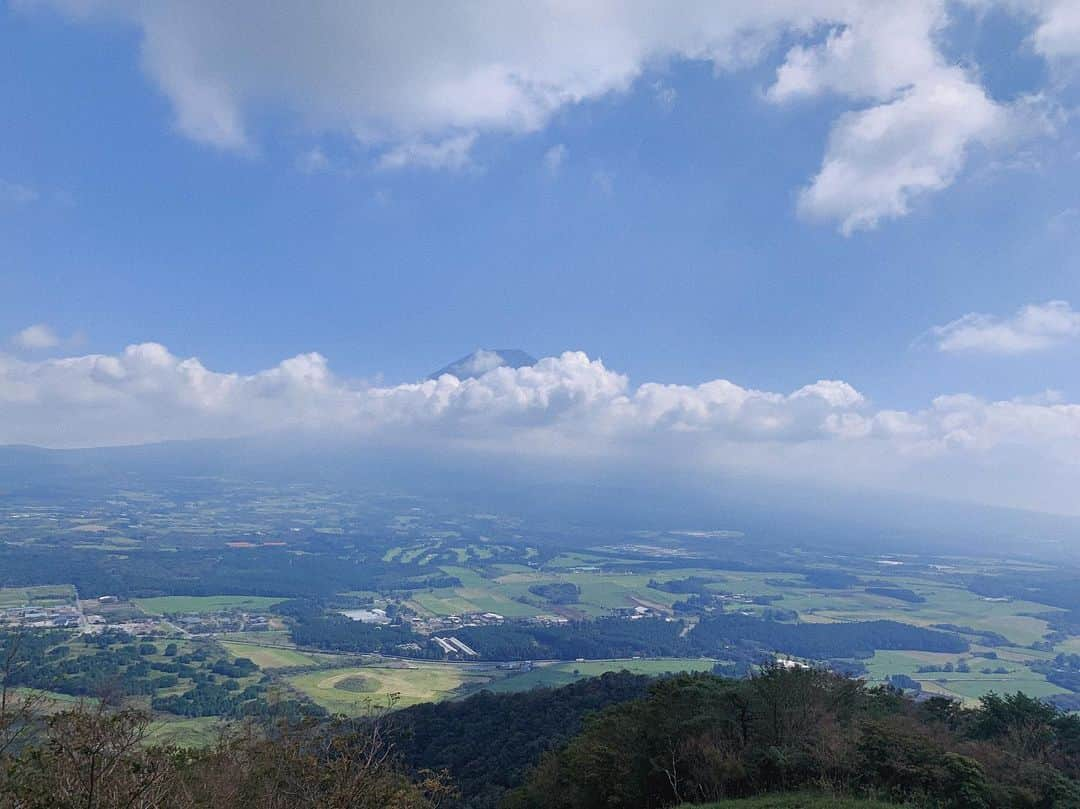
[355, 690]
[558, 674]
[169, 605]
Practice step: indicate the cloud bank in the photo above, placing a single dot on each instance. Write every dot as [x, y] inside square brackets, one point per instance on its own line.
[564, 407]
[1036, 327]
[420, 82]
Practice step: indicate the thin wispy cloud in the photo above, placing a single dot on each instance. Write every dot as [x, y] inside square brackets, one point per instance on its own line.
[603, 181]
[665, 96]
[451, 153]
[1066, 221]
[17, 193]
[313, 161]
[1035, 327]
[554, 158]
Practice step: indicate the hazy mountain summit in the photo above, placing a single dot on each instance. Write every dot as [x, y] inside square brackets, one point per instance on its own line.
[483, 360]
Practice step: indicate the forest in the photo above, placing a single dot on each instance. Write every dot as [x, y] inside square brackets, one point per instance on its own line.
[699, 738]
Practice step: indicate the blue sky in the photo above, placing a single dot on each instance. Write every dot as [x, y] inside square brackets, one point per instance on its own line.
[652, 215]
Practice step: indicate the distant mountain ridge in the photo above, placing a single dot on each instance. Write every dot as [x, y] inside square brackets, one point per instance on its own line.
[483, 360]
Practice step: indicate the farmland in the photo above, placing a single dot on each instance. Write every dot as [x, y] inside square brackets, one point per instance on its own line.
[269, 657]
[233, 571]
[41, 596]
[554, 675]
[355, 691]
[983, 676]
[171, 605]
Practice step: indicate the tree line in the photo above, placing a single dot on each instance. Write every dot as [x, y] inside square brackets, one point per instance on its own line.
[699, 738]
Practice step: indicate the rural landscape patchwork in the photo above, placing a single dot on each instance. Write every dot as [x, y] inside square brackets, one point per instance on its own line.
[211, 602]
[332, 598]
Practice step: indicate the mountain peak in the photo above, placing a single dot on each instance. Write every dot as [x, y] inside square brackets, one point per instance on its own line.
[483, 360]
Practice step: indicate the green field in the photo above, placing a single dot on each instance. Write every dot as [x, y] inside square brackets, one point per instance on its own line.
[271, 637]
[42, 596]
[476, 594]
[167, 605]
[51, 701]
[269, 657]
[945, 603]
[199, 731]
[335, 690]
[600, 593]
[966, 686]
[558, 674]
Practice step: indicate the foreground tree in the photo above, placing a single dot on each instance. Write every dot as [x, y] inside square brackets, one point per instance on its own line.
[99, 758]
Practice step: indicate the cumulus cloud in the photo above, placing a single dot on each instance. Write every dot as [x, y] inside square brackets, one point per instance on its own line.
[567, 406]
[1057, 35]
[880, 159]
[1035, 327]
[920, 118]
[420, 82]
[35, 337]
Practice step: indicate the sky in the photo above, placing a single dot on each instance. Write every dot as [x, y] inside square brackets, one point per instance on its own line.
[828, 238]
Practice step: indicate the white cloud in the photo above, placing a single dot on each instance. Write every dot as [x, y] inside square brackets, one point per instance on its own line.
[38, 336]
[1058, 33]
[1035, 327]
[871, 53]
[421, 81]
[880, 159]
[665, 96]
[554, 158]
[452, 153]
[564, 407]
[921, 115]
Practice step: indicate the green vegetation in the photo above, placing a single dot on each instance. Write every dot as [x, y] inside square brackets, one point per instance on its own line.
[488, 742]
[560, 674]
[357, 684]
[210, 546]
[269, 657]
[561, 592]
[401, 685]
[177, 677]
[802, 800]
[982, 676]
[103, 758]
[699, 738]
[195, 732]
[179, 605]
[41, 596]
